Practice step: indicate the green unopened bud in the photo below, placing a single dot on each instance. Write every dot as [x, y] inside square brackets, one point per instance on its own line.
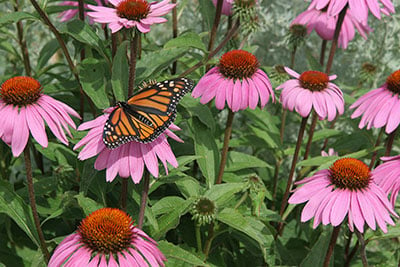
[203, 211]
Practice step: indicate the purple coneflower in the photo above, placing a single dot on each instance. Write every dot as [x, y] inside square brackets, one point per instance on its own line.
[346, 188]
[324, 25]
[387, 176]
[71, 13]
[331, 152]
[359, 8]
[381, 106]
[128, 160]
[237, 80]
[226, 6]
[107, 237]
[312, 89]
[131, 13]
[24, 109]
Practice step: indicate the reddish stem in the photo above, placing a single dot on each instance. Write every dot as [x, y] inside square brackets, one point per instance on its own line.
[224, 152]
[143, 200]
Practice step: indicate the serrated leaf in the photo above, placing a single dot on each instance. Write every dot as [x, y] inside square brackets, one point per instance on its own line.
[120, 73]
[14, 206]
[238, 161]
[174, 252]
[93, 74]
[188, 39]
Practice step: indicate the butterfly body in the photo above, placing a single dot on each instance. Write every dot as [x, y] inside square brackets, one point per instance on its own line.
[145, 115]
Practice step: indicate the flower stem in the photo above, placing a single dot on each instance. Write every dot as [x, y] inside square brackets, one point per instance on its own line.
[143, 200]
[124, 193]
[32, 201]
[293, 56]
[351, 255]
[275, 181]
[373, 158]
[339, 24]
[228, 36]
[241, 200]
[198, 237]
[311, 134]
[322, 55]
[174, 33]
[292, 170]
[132, 65]
[22, 43]
[362, 248]
[283, 123]
[332, 243]
[214, 28]
[224, 152]
[67, 56]
[389, 143]
[210, 238]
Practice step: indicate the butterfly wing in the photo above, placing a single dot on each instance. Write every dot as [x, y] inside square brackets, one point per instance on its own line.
[146, 114]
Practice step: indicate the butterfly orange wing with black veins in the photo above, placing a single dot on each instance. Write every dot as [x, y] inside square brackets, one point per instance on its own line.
[146, 114]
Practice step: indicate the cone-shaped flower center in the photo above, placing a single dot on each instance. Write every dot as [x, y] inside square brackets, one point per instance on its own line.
[238, 64]
[314, 80]
[393, 82]
[20, 91]
[349, 173]
[205, 206]
[298, 30]
[107, 230]
[133, 9]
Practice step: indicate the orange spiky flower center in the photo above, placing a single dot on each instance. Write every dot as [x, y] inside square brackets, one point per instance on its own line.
[393, 82]
[349, 173]
[238, 64]
[107, 230]
[314, 80]
[133, 9]
[20, 91]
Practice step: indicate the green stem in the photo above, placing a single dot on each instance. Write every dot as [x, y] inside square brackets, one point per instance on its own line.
[32, 201]
[209, 240]
[224, 152]
[198, 237]
[241, 200]
[292, 170]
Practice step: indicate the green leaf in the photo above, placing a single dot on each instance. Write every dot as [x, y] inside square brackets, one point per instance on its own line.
[188, 186]
[178, 254]
[207, 11]
[153, 63]
[238, 161]
[314, 258]
[93, 78]
[202, 112]
[223, 193]
[264, 135]
[166, 204]
[14, 17]
[206, 148]
[120, 73]
[325, 133]
[14, 206]
[188, 39]
[46, 53]
[171, 219]
[88, 205]
[248, 225]
[83, 33]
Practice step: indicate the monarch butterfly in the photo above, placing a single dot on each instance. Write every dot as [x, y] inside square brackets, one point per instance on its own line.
[146, 114]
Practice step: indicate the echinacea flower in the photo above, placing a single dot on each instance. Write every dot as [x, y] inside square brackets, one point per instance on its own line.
[346, 188]
[226, 6]
[387, 176]
[237, 80]
[312, 90]
[359, 8]
[131, 13]
[107, 237]
[381, 106]
[127, 160]
[324, 25]
[24, 109]
[71, 13]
